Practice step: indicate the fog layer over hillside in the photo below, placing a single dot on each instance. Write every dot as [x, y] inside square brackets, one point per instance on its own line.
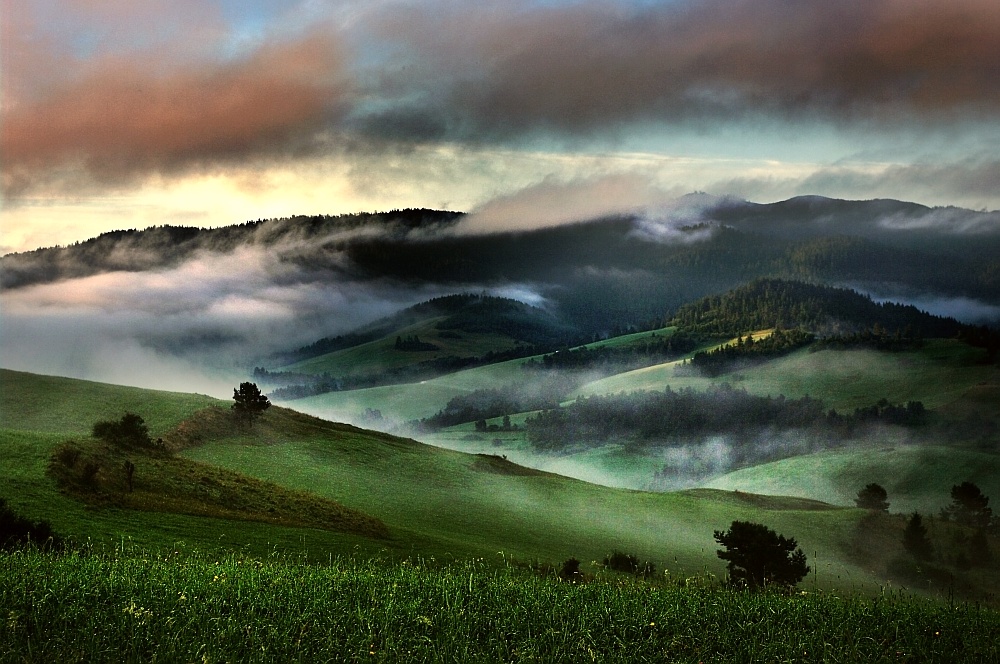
[184, 308]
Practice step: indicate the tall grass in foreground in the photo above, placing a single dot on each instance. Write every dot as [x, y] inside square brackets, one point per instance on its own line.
[135, 606]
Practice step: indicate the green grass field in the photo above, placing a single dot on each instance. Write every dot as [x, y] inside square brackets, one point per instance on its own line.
[131, 607]
[434, 501]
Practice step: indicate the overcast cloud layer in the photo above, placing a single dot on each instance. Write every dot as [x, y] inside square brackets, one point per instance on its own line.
[123, 113]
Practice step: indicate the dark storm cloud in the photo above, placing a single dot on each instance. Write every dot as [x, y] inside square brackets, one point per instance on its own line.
[588, 67]
[182, 91]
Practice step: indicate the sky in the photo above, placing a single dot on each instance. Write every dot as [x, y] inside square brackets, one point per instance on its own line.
[131, 113]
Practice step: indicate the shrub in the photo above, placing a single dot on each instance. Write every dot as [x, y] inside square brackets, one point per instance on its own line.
[915, 538]
[129, 431]
[16, 531]
[619, 561]
[872, 497]
[571, 571]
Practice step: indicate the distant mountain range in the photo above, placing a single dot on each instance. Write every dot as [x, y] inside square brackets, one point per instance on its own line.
[593, 277]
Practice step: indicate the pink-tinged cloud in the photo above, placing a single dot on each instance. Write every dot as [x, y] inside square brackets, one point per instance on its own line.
[127, 116]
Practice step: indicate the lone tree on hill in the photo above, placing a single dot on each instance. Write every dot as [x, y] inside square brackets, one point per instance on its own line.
[760, 557]
[250, 403]
[969, 506]
[873, 497]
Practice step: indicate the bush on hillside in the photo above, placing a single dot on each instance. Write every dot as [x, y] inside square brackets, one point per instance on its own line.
[16, 531]
[570, 571]
[129, 431]
[873, 497]
[619, 561]
[915, 539]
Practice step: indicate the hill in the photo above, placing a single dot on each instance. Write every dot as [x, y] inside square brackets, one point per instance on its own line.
[433, 501]
[454, 327]
[826, 311]
[600, 275]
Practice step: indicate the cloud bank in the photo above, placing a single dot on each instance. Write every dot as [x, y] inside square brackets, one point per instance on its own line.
[101, 96]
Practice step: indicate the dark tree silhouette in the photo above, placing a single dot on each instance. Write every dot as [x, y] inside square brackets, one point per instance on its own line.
[249, 403]
[969, 506]
[873, 497]
[915, 538]
[16, 531]
[759, 557]
[570, 571]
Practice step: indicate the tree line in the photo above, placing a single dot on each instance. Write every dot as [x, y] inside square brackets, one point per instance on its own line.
[641, 418]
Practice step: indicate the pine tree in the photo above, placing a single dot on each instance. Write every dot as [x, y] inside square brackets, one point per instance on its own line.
[249, 403]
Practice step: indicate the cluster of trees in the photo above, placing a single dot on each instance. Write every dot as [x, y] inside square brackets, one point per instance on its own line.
[413, 343]
[912, 414]
[680, 415]
[767, 303]
[747, 351]
[875, 337]
[484, 404]
[969, 508]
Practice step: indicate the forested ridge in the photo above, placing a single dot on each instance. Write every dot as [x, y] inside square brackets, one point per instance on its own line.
[823, 310]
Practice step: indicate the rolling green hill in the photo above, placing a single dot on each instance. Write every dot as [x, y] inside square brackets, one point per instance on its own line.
[455, 326]
[434, 501]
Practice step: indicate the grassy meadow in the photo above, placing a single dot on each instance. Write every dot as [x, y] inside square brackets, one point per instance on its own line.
[233, 548]
[132, 606]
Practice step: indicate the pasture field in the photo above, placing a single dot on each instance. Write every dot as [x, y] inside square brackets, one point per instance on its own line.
[433, 501]
[132, 606]
[52, 404]
[916, 477]
[938, 374]
[381, 354]
[456, 504]
[410, 401]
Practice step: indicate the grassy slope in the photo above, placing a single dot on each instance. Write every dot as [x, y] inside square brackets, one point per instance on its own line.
[412, 400]
[938, 374]
[38, 413]
[435, 501]
[448, 503]
[416, 400]
[381, 354]
[916, 477]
